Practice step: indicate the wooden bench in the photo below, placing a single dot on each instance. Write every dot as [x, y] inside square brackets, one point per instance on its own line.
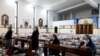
[69, 50]
[28, 51]
[3, 42]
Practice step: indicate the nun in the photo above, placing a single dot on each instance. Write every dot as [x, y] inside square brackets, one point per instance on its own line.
[54, 40]
[87, 44]
[35, 41]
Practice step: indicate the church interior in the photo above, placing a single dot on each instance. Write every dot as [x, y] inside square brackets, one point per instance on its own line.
[49, 27]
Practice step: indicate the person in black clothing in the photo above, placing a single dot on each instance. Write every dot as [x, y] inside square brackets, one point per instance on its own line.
[8, 36]
[87, 44]
[35, 41]
[54, 40]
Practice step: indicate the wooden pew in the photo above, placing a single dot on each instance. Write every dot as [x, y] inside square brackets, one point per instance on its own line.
[3, 42]
[29, 50]
[69, 50]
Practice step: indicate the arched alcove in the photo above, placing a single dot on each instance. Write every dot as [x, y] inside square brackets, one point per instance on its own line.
[4, 20]
[40, 22]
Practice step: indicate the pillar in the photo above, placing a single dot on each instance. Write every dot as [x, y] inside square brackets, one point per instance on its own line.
[16, 17]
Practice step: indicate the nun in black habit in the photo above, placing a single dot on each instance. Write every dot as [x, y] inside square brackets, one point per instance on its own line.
[87, 44]
[54, 40]
[35, 41]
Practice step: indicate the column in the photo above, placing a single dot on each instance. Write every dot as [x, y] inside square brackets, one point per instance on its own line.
[99, 18]
[16, 17]
[99, 14]
[47, 23]
[63, 17]
[71, 15]
[33, 16]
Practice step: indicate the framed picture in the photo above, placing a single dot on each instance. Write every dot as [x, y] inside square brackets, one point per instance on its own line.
[4, 20]
[40, 22]
[26, 24]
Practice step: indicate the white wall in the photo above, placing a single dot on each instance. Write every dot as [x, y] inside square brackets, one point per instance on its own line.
[83, 13]
[40, 13]
[25, 12]
[52, 15]
[65, 22]
[7, 7]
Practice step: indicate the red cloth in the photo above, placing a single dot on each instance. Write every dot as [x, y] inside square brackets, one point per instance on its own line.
[9, 52]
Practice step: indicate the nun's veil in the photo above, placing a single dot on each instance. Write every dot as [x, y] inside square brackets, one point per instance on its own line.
[89, 38]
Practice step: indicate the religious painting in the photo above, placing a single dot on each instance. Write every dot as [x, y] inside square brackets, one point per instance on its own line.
[4, 20]
[85, 21]
[40, 22]
[26, 24]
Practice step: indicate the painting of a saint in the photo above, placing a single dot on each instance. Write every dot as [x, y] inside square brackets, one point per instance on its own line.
[5, 20]
[26, 24]
[85, 22]
[40, 22]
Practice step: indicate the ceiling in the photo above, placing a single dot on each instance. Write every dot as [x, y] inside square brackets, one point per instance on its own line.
[77, 9]
[97, 1]
[67, 4]
[55, 4]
